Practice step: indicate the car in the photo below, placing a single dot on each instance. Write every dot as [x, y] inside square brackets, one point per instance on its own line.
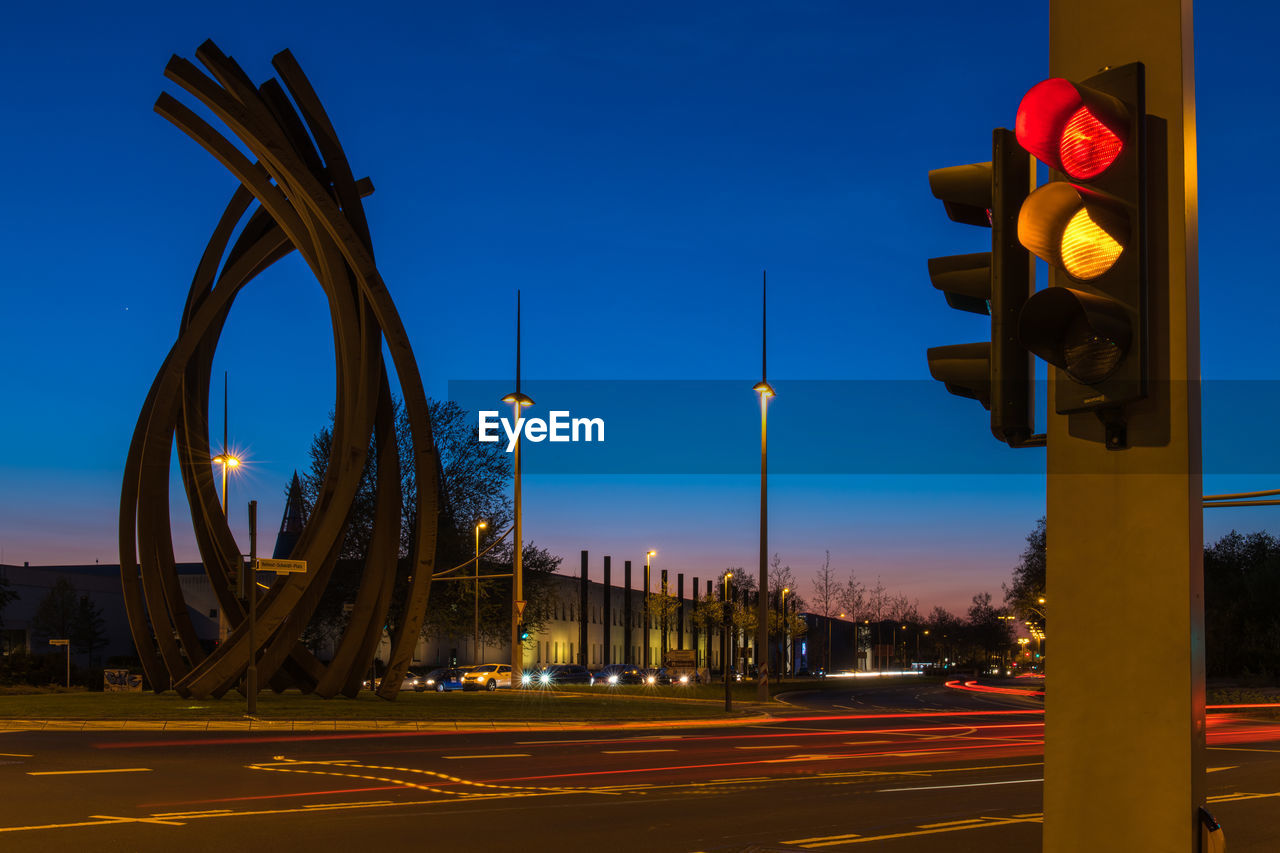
[487, 676]
[442, 680]
[412, 681]
[560, 673]
[619, 673]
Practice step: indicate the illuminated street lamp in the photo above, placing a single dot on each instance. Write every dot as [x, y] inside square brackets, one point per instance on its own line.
[725, 651]
[475, 640]
[647, 589]
[226, 460]
[786, 633]
[518, 402]
[765, 390]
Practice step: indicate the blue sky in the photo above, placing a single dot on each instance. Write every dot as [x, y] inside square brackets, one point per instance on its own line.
[631, 169]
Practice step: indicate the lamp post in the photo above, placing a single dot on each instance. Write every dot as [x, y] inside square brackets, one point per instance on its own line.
[226, 460]
[726, 651]
[765, 390]
[786, 635]
[518, 402]
[829, 643]
[647, 589]
[475, 639]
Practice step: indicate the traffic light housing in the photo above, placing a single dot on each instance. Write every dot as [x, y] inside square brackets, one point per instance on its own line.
[1090, 224]
[996, 373]
[522, 632]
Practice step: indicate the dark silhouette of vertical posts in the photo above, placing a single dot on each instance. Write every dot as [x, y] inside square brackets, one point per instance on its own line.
[695, 634]
[606, 652]
[582, 615]
[680, 610]
[666, 626]
[626, 612]
[648, 619]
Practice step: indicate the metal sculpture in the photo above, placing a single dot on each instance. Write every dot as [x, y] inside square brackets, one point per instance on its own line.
[308, 200]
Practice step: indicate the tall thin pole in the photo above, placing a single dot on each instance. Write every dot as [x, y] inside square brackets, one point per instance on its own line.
[762, 608]
[646, 610]
[518, 402]
[725, 650]
[251, 673]
[475, 638]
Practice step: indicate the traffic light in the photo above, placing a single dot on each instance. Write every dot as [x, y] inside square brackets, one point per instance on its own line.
[1090, 224]
[996, 373]
[522, 632]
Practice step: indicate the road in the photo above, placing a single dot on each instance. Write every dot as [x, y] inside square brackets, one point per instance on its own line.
[955, 768]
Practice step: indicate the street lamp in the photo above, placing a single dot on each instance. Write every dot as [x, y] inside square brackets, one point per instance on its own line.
[518, 402]
[647, 589]
[765, 390]
[829, 643]
[226, 460]
[725, 651]
[786, 634]
[475, 640]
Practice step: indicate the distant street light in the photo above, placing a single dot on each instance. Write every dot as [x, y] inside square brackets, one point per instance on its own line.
[786, 634]
[475, 640]
[226, 460]
[725, 650]
[647, 590]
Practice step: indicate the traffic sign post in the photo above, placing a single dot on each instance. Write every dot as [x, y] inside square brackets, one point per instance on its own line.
[66, 643]
[280, 567]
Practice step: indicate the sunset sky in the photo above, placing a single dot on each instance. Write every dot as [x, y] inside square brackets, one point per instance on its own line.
[632, 169]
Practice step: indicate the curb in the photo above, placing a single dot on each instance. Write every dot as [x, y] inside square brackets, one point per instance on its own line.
[388, 726]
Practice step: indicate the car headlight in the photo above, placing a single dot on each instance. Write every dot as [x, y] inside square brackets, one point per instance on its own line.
[651, 679]
[544, 678]
[524, 678]
[684, 679]
[613, 679]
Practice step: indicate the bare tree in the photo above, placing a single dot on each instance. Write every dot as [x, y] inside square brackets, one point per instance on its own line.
[826, 590]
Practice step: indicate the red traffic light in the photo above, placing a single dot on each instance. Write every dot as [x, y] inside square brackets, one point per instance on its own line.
[1074, 129]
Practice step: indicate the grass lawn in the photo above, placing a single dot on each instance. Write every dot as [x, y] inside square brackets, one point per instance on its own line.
[568, 704]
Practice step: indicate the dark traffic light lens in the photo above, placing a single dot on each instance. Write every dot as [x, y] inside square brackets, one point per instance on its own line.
[1090, 357]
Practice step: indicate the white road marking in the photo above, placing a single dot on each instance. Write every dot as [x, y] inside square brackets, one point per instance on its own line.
[81, 772]
[969, 785]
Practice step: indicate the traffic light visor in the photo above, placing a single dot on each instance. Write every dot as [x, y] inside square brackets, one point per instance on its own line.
[1068, 228]
[1076, 130]
[1085, 335]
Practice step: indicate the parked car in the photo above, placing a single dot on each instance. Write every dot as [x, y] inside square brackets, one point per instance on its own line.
[441, 680]
[488, 676]
[560, 673]
[412, 681]
[619, 673]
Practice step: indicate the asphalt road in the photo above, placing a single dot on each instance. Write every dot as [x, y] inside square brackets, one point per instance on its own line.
[898, 773]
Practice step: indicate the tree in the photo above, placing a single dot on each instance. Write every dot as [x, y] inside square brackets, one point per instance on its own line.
[1241, 587]
[826, 590]
[88, 629]
[1026, 593]
[988, 631]
[7, 595]
[473, 482]
[56, 613]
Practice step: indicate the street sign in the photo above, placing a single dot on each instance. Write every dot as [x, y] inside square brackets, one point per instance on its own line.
[519, 610]
[59, 642]
[282, 567]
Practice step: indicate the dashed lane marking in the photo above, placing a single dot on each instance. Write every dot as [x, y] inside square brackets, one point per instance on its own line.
[85, 772]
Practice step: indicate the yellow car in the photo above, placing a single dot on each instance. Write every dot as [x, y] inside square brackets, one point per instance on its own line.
[489, 676]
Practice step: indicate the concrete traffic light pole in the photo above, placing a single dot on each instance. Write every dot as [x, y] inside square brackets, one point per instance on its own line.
[1124, 734]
